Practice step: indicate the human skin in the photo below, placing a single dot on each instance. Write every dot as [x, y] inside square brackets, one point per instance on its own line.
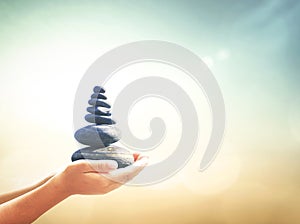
[81, 177]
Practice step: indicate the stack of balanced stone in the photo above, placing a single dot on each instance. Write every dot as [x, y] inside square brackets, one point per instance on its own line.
[101, 134]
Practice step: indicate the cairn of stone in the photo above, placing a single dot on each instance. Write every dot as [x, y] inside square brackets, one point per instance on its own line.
[100, 136]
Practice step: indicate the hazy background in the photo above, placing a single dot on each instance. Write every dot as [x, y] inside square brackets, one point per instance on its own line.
[251, 47]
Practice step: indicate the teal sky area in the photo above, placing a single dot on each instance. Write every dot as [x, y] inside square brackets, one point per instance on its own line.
[260, 79]
[262, 36]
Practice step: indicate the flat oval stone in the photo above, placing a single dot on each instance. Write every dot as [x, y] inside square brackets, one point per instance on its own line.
[99, 89]
[92, 118]
[98, 102]
[98, 96]
[95, 110]
[122, 156]
[98, 136]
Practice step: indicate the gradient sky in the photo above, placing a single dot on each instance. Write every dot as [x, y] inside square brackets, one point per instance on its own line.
[251, 47]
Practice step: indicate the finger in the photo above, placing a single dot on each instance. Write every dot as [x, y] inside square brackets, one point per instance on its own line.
[140, 156]
[123, 175]
[101, 166]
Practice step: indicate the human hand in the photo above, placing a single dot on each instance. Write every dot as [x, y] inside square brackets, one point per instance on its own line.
[80, 177]
[95, 176]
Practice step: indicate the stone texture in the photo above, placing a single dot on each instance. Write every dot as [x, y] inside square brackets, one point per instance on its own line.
[98, 136]
[122, 156]
[92, 118]
[97, 111]
[99, 89]
[100, 103]
[98, 96]
[101, 134]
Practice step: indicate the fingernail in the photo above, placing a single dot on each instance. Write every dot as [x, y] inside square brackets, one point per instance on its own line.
[112, 164]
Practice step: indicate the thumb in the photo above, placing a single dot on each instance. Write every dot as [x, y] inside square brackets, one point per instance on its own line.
[103, 166]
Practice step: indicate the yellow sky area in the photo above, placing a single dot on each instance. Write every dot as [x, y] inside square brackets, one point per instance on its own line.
[244, 202]
[257, 187]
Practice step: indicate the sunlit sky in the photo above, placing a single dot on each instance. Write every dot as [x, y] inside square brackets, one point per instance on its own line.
[252, 48]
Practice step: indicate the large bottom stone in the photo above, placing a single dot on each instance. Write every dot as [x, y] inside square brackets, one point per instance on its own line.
[122, 156]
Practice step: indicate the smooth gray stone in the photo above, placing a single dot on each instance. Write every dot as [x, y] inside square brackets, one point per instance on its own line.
[98, 102]
[95, 110]
[92, 118]
[98, 96]
[99, 89]
[98, 136]
[122, 156]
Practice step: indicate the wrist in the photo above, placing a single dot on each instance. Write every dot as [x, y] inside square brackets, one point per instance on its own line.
[59, 187]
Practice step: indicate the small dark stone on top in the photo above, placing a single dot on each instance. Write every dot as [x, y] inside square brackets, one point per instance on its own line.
[99, 89]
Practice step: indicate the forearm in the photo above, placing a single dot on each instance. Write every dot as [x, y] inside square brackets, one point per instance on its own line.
[11, 195]
[30, 206]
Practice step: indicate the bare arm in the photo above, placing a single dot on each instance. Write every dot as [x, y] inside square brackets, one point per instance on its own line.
[31, 205]
[14, 194]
